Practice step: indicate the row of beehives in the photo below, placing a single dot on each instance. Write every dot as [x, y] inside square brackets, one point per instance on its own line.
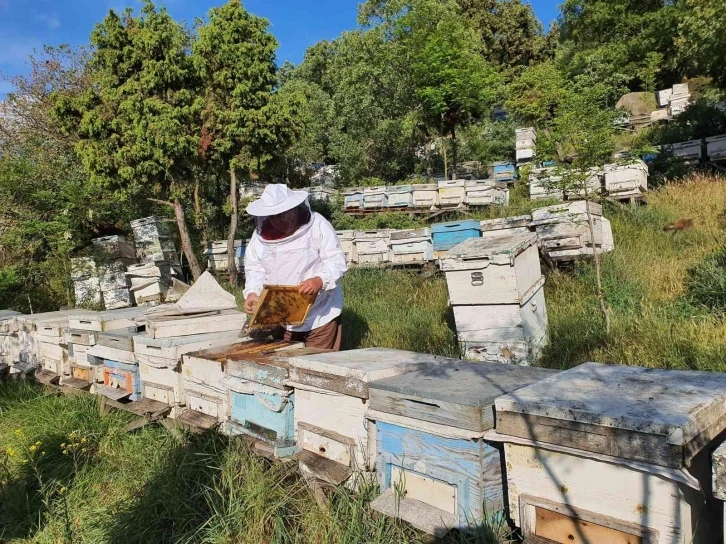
[120, 273]
[614, 180]
[713, 149]
[563, 234]
[443, 194]
[597, 453]
[526, 145]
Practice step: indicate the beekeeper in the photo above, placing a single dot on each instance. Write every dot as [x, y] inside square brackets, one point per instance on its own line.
[292, 245]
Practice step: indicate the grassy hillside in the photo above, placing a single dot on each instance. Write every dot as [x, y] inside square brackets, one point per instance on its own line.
[70, 475]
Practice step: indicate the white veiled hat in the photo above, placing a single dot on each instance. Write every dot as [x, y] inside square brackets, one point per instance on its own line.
[276, 199]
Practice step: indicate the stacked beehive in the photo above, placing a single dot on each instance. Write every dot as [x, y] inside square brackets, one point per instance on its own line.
[353, 198]
[564, 232]
[216, 253]
[251, 190]
[690, 151]
[112, 254]
[679, 99]
[716, 148]
[86, 284]
[626, 180]
[9, 342]
[508, 225]
[411, 246]
[551, 182]
[485, 192]
[322, 193]
[447, 235]
[399, 196]
[425, 196]
[157, 254]
[526, 142]
[496, 288]
[371, 247]
[452, 193]
[505, 171]
[375, 197]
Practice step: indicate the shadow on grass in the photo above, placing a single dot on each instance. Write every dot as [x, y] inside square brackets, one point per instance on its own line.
[171, 507]
[355, 329]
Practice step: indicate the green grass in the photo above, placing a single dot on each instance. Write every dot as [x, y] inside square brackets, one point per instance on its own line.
[150, 487]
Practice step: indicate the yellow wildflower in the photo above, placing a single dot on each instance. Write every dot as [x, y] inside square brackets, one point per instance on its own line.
[33, 448]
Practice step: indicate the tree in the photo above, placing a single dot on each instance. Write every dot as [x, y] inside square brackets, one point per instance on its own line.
[137, 123]
[535, 96]
[452, 83]
[702, 38]
[583, 128]
[235, 56]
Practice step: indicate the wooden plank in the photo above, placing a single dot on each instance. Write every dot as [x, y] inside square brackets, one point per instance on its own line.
[281, 305]
[598, 439]
[325, 469]
[113, 393]
[166, 326]
[197, 420]
[719, 472]
[47, 377]
[174, 348]
[422, 516]
[561, 528]
[77, 383]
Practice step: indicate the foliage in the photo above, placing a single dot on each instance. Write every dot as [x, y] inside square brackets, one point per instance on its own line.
[536, 94]
[702, 39]
[706, 282]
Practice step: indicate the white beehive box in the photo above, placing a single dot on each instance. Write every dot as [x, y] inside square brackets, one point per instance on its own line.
[375, 197]
[347, 244]
[411, 246]
[526, 144]
[525, 155]
[627, 179]
[322, 193]
[716, 148]
[543, 184]
[664, 97]
[371, 247]
[524, 134]
[487, 192]
[425, 195]
[452, 193]
[399, 196]
[334, 437]
[353, 198]
[493, 270]
[616, 453]
[161, 380]
[688, 151]
[251, 189]
[507, 225]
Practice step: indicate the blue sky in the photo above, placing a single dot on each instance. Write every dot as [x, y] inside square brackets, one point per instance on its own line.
[26, 25]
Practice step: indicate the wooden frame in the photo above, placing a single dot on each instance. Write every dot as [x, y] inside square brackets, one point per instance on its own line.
[298, 306]
[528, 506]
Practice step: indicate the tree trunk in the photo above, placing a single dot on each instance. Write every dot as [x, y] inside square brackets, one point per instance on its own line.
[454, 152]
[186, 242]
[446, 166]
[231, 264]
[598, 271]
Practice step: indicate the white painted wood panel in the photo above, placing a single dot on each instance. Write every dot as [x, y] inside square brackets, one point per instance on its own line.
[105, 352]
[166, 326]
[174, 348]
[615, 491]
[425, 196]
[429, 491]
[325, 447]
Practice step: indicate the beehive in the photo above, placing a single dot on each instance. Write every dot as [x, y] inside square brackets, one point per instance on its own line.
[486, 192]
[353, 198]
[425, 195]
[346, 239]
[505, 171]
[371, 247]
[688, 151]
[434, 468]
[496, 290]
[626, 179]
[507, 225]
[616, 451]
[452, 193]
[716, 148]
[411, 246]
[447, 235]
[375, 197]
[334, 439]
[399, 196]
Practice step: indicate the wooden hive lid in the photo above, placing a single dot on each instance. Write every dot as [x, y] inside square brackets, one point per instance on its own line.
[351, 372]
[500, 249]
[683, 409]
[464, 382]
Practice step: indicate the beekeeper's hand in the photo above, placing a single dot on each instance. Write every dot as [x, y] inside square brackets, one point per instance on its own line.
[311, 286]
[251, 303]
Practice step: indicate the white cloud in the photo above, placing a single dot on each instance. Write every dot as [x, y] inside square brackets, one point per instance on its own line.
[50, 19]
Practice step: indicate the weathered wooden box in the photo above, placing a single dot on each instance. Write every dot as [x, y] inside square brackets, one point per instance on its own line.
[108, 320]
[716, 148]
[353, 198]
[525, 134]
[664, 97]
[507, 225]
[688, 151]
[627, 179]
[174, 348]
[525, 155]
[161, 380]
[614, 454]
[433, 466]
[334, 439]
[447, 235]
[375, 197]
[487, 192]
[169, 326]
[411, 246]
[120, 380]
[400, 196]
[117, 298]
[425, 195]
[505, 171]
[494, 270]
[347, 244]
[322, 193]
[452, 193]
[526, 144]
[261, 405]
[371, 247]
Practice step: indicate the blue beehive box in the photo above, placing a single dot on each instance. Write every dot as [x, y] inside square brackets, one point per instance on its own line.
[434, 466]
[505, 171]
[121, 380]
[447, 235]
[261, 406]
